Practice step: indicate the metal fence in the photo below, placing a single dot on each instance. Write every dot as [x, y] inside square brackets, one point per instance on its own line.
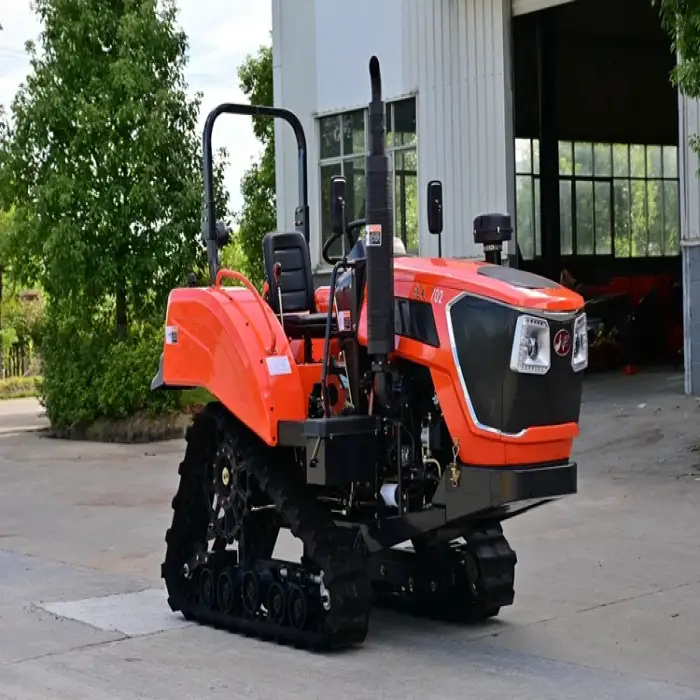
[18, 361]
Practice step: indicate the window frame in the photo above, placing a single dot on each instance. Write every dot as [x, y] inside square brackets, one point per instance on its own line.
[610, 180]
[344, 158]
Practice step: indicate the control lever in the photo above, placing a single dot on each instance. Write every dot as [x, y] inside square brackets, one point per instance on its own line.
[277, 274]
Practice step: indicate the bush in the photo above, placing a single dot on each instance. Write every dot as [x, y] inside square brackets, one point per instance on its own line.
[91, 374]
[18, 387]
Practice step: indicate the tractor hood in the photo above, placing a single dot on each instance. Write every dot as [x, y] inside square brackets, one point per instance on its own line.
[505, 284]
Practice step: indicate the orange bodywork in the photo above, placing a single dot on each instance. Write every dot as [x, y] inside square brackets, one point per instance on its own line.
[224, 339]
[439, 281]
[223, 343]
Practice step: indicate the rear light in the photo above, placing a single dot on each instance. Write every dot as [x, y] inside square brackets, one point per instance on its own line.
[530, 353]
[579, 355]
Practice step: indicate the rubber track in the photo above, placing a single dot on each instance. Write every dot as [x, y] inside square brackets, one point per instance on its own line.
[328, 546]
[464, 601]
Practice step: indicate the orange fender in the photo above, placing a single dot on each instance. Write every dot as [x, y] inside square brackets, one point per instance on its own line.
[219, 339]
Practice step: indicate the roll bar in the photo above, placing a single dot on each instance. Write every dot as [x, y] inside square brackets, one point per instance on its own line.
[301, 214]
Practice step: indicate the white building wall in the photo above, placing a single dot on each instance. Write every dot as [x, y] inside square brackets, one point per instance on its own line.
[458, 53]
[294, 78]
[346, 40]
[453, 54]
[688, 164]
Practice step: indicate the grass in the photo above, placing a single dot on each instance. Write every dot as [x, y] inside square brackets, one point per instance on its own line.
[22, 387]
[142, 427]
[19, 387]
[135, 429]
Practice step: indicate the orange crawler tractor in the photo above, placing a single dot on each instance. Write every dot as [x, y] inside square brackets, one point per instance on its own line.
[416, 402]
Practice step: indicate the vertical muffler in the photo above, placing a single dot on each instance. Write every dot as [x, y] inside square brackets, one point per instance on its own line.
[380, 228]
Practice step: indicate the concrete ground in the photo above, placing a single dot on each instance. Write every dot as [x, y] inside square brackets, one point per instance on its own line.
[607, 585]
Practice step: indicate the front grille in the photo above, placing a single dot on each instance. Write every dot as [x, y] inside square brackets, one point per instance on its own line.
[500, 398]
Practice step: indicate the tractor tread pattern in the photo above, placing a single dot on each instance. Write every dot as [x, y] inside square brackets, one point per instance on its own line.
[465, 598]
[326, 545]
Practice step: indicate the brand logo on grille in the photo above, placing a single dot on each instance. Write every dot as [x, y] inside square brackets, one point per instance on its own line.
[562, 343]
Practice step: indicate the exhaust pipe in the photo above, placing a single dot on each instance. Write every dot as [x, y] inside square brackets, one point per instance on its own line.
[380, 228]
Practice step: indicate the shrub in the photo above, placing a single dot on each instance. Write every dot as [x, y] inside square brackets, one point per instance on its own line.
[18, 387]
[91, 374]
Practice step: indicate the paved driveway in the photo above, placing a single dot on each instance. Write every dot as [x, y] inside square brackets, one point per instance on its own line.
[607, 584]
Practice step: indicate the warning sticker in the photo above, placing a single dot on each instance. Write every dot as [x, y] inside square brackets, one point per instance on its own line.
[344, 321]
[171, 335]
[374, 234]
[278, 365]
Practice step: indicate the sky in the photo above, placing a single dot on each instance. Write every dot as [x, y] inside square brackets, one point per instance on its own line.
[221, 33]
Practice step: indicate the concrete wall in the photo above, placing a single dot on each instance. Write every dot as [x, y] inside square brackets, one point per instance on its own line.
[454, 55]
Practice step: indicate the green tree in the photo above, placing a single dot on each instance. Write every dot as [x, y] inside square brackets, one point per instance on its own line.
[103, 164]
[681, 19]
[258, 213]
[104, 157]
[5, 229]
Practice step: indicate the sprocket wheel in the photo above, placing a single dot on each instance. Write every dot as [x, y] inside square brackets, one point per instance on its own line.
[228, 493]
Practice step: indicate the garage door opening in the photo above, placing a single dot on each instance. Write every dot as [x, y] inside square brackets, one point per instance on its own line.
[597, 177]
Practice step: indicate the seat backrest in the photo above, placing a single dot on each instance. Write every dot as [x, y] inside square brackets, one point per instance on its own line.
[291, 251]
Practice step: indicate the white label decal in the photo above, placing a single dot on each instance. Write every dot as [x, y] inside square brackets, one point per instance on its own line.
[436, 296]
[374, 234]
[277, 365]
[344, 321]
[171, 335]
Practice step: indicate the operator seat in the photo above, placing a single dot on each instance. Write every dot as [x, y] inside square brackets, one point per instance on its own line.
[296, 284]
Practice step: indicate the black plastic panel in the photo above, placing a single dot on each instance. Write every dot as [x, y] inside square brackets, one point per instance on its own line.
[415, 320]
[340, 449]
[518, 278]
[503, 399]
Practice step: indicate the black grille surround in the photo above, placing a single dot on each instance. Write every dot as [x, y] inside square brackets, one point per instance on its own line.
[502, 400]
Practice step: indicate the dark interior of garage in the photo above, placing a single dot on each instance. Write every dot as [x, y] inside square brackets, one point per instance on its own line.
[597, 180]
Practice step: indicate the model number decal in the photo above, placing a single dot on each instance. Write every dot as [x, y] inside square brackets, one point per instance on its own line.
[418, 292]
[436, 296]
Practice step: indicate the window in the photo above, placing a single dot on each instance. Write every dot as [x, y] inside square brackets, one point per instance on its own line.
[527, 202]
[614, 199]
[343, 148]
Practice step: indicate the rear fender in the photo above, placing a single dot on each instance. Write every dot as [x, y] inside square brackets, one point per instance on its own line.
[218, 339]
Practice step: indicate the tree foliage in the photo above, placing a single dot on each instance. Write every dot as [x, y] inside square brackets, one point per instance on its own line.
[681, 19]
[104, 157]
[102, 162]
[258, 214]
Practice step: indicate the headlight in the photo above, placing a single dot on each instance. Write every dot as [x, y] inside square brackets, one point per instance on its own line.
[530, 353]
[579, 356]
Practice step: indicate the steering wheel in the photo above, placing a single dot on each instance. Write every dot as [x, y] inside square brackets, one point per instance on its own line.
[356, 224]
